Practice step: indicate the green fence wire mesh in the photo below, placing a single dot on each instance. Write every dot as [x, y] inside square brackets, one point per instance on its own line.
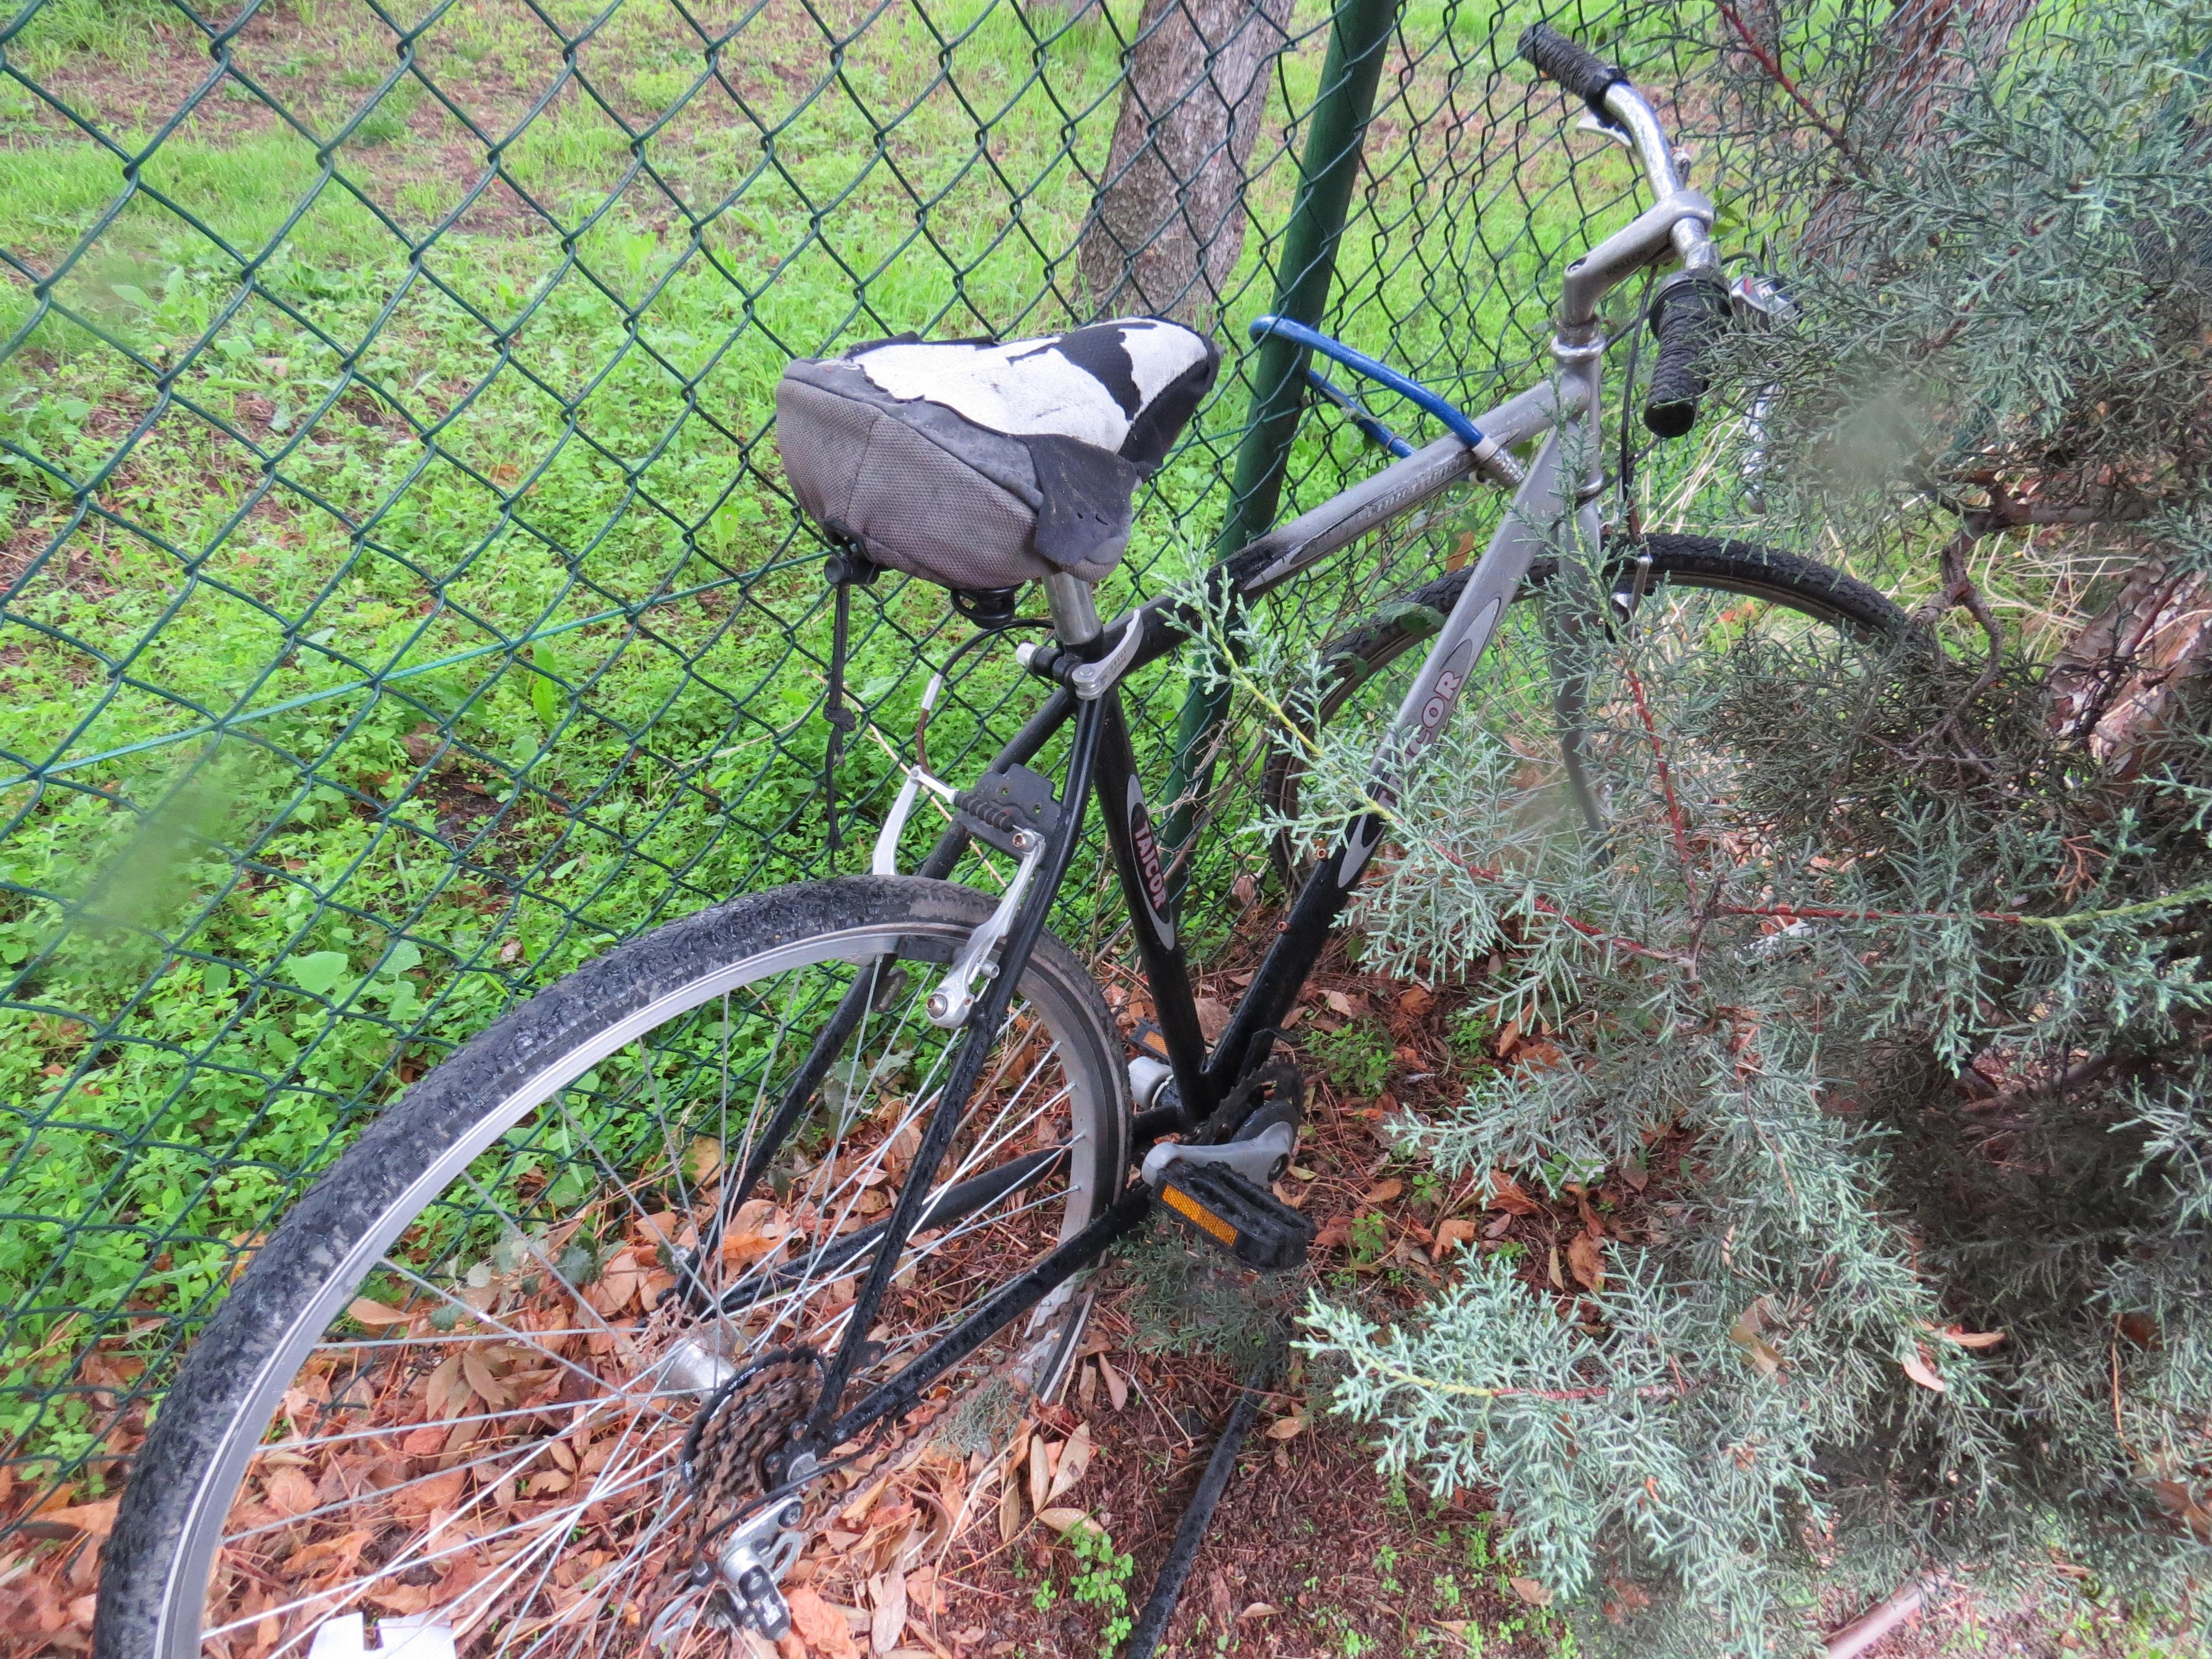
[401, 603]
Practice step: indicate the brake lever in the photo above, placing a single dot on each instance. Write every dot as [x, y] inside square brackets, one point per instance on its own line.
[1589, 123]
[1755, 295]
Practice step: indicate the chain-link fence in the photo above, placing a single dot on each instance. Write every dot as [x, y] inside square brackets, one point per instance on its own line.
[401, 601]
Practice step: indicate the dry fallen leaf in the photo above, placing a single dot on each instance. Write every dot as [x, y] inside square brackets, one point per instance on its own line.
[290, 1492]
[1458, 1229]
[1117, 1386]
[889, 1593]
[1040, 1472]
[1339, 1003]
[344, 1550]
[1559, 1278]
[1074, 1459]
[1745, 1334]
[1505, 1194]
[1965, 1339]
[437, 1491]
[98, 1519]
[1009, 1509]
[444, 1392]
[1287, 1428]
[1259, 1610]
[856, 1512]
[401, 1598]
[2181, 1503]
[488, 1387]
[1212, 1018]
[1917, 1368]
[1336, 1233]
[922, 1590]
[1065, 1520]
[822, 1625]
[1586, 1258]
[2139, 1329]
[1414, 1001]
[618, 1283]
[1532, 1592]
[376, 1315]
[1383, 1192]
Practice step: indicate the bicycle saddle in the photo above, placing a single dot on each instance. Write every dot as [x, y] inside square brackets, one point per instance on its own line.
[984, 464]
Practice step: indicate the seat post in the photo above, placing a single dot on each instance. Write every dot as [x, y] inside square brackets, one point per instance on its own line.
[1074, 617]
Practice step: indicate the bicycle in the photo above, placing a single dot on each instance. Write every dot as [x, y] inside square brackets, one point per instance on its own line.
[561, 1355]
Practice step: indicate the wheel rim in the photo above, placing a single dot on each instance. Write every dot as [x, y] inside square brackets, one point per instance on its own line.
[552, 1424]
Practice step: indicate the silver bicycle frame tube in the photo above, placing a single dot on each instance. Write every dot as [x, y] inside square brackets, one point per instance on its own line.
[1555, 507]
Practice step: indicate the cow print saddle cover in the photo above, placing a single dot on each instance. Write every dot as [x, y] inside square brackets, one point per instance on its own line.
[982, 464]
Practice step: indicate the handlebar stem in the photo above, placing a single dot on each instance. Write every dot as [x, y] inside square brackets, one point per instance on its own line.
[1651, 235]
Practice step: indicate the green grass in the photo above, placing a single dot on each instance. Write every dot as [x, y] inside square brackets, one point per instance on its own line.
[393, 487]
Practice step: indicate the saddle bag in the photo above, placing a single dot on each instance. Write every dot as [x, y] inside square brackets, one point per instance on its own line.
[982, 464]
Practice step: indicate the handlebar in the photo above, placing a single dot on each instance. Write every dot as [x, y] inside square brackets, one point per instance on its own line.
[1613, 99]
[1692, 308]
[1574, 67]
[1689, 313]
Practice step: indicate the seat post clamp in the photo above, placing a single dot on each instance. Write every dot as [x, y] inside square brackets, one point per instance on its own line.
[1091, 680]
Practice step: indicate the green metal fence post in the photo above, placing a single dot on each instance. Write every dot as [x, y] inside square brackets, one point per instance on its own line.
[1358, 40]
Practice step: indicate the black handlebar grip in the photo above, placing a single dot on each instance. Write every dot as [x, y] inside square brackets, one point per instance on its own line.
[1583, 73]
[1688, 315]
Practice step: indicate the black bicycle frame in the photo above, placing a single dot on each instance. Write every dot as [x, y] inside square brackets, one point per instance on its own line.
[1554, 503]
[1102, 765]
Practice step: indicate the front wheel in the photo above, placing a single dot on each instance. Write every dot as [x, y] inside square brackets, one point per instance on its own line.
[456, 1383]
[1556, 702]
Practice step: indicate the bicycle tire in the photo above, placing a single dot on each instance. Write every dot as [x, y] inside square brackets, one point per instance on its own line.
[1404, 624]
[192, 1474]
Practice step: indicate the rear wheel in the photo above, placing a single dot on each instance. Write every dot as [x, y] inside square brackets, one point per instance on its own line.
[1553, 689]
[456, 1383]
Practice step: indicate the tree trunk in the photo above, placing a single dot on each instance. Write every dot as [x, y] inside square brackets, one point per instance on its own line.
[1928, 50]
[1916, 63]
[1168, 224]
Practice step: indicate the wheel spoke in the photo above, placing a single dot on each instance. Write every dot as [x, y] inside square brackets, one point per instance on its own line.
[536, 1348]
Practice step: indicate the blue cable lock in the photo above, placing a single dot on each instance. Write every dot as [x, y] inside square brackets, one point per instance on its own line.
[1360, 363]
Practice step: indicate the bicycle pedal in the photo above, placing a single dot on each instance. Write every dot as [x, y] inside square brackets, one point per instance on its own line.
[1235, 1215]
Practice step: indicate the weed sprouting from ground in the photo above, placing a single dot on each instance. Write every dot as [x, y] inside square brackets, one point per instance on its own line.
[1355, 1057]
